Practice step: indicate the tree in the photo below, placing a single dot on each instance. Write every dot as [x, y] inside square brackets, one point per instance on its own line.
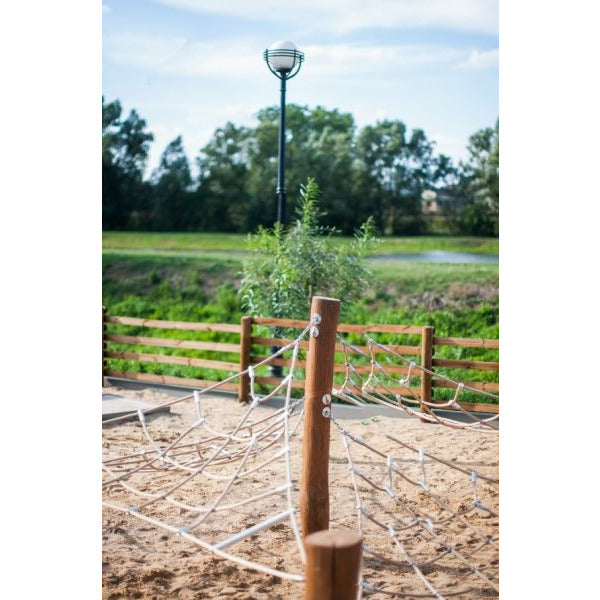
[381, 170]
[125, 147]
[479, 181]
[319, 142]
[286, 267]
[394, 169]
[111, 175]
[173, 206]
[223, 181]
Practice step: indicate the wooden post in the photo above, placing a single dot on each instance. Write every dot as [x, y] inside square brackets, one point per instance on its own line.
[332, 565]
[427, 363]
[314, 485]
[103, 343]
[245, 347]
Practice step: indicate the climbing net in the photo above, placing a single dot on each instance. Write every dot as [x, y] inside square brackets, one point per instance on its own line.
[427, 521]
[407, 523]
[234, 459]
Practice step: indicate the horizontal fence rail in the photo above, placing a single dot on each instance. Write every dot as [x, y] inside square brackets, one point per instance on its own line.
[200, 362]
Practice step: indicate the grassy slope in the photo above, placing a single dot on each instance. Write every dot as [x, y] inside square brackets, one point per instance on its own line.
[459, 300]
[223, 242]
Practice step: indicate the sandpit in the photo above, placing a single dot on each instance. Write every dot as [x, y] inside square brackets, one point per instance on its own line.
[141, 560]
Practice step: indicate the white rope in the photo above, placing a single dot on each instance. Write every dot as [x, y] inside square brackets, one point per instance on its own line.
[255, 529]
[190, 459]
[236, 559]
[288, 466]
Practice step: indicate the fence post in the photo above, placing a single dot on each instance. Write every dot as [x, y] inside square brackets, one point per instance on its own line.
[427, 363]
[103, 343]
[332, 565]
[245, 347]
[314, 484]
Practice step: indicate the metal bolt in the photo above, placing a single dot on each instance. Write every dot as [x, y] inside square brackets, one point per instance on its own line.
[314, 331]
[326, 412]
[316, 319]
[326, 399]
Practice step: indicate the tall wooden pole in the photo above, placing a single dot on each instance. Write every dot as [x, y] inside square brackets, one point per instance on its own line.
[314, 484]
[245, 346]
[332, 565]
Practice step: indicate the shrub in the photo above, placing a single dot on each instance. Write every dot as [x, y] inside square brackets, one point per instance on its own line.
[285, 268]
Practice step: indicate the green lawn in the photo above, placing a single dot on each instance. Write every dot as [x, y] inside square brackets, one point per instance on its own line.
[190, 243]
[459, 300]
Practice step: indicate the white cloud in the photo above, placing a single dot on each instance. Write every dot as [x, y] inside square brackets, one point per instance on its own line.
[241, 58]
[480, 59]
[105, 8]
[354, 59]
[343, 16]
[179, 56]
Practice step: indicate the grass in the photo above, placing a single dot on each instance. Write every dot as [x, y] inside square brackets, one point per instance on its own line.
[194, 243]
[458, 299]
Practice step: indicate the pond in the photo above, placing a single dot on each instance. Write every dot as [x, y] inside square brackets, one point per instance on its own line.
[439, 256]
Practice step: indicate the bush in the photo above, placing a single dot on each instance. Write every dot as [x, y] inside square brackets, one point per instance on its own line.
[479, 219]
[286, 268]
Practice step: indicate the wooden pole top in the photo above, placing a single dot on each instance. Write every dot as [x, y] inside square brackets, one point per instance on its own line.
[334, 538]
[321, 298]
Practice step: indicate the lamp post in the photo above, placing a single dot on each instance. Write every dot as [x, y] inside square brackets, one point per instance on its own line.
[284, 61]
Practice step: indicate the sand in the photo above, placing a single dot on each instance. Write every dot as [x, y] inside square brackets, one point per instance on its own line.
[141, 560]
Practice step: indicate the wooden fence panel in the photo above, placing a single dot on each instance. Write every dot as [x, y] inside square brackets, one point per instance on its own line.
[169, 359]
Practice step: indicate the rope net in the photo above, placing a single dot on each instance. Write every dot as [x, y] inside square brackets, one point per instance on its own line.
[400, 491]
[429, 520]
[162, 483]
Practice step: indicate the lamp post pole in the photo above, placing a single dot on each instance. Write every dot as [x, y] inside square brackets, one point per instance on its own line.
[284, 61]
[281, 191]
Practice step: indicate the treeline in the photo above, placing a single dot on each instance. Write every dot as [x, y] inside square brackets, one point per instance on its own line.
[383, 170]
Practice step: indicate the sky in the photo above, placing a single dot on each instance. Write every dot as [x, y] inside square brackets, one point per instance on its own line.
[189, 66]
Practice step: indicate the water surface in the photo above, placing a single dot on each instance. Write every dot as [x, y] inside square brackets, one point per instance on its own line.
[439, 256]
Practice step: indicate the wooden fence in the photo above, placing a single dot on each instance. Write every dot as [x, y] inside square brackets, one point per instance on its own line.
[253, 346]
[170, 343]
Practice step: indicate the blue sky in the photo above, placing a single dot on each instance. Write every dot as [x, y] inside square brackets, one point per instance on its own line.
[189, 66]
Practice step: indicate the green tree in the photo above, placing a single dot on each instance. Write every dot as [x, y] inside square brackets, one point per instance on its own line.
[286, 267]
[479, 181]
[111, 174]
[482, 170]
[394, 167]
[223, 181]
[174, 207]
[319, 142]
[125, 148]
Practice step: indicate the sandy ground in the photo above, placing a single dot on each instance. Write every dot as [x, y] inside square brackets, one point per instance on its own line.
[141, 560]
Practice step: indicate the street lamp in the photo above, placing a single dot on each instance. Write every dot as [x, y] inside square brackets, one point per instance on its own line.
[284, 61]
